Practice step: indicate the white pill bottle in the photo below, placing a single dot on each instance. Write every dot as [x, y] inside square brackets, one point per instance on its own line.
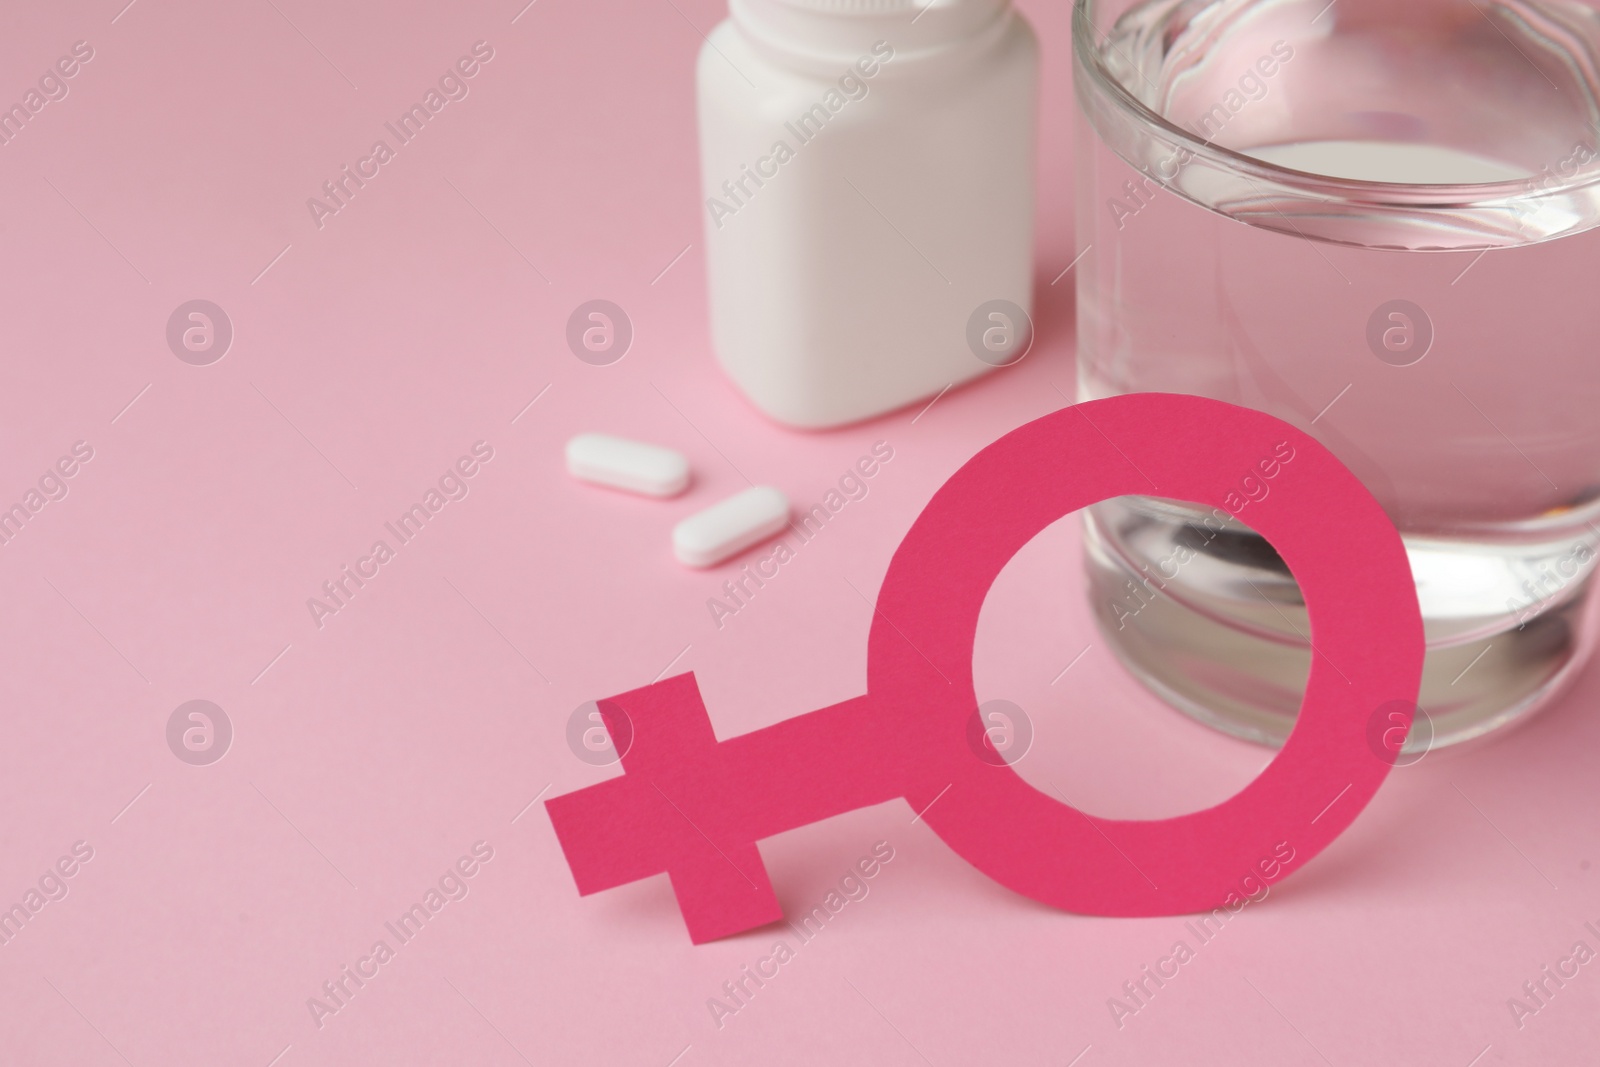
[867, 168]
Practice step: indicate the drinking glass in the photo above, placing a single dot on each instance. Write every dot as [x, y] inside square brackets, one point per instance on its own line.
[1376, 221]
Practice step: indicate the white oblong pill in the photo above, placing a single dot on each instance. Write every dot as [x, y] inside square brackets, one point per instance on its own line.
[708, 537]
[629, 465]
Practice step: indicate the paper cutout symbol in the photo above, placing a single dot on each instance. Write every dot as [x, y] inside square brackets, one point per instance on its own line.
[695, 807]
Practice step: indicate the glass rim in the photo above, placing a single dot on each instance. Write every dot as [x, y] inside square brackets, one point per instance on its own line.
[1088, 58]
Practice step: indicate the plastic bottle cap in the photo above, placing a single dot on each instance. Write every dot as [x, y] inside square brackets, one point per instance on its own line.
[845, 30]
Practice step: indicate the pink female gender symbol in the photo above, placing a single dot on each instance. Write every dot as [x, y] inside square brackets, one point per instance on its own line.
[695, 807]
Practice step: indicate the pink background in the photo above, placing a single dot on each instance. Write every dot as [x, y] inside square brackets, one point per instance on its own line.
[371, 753]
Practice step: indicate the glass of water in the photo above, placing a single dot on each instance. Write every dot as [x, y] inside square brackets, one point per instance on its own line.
[1376, 220]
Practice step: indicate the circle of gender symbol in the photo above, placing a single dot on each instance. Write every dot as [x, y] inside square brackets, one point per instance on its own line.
[695, 807]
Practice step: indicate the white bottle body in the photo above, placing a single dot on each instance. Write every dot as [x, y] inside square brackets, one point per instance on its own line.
[843, 272]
